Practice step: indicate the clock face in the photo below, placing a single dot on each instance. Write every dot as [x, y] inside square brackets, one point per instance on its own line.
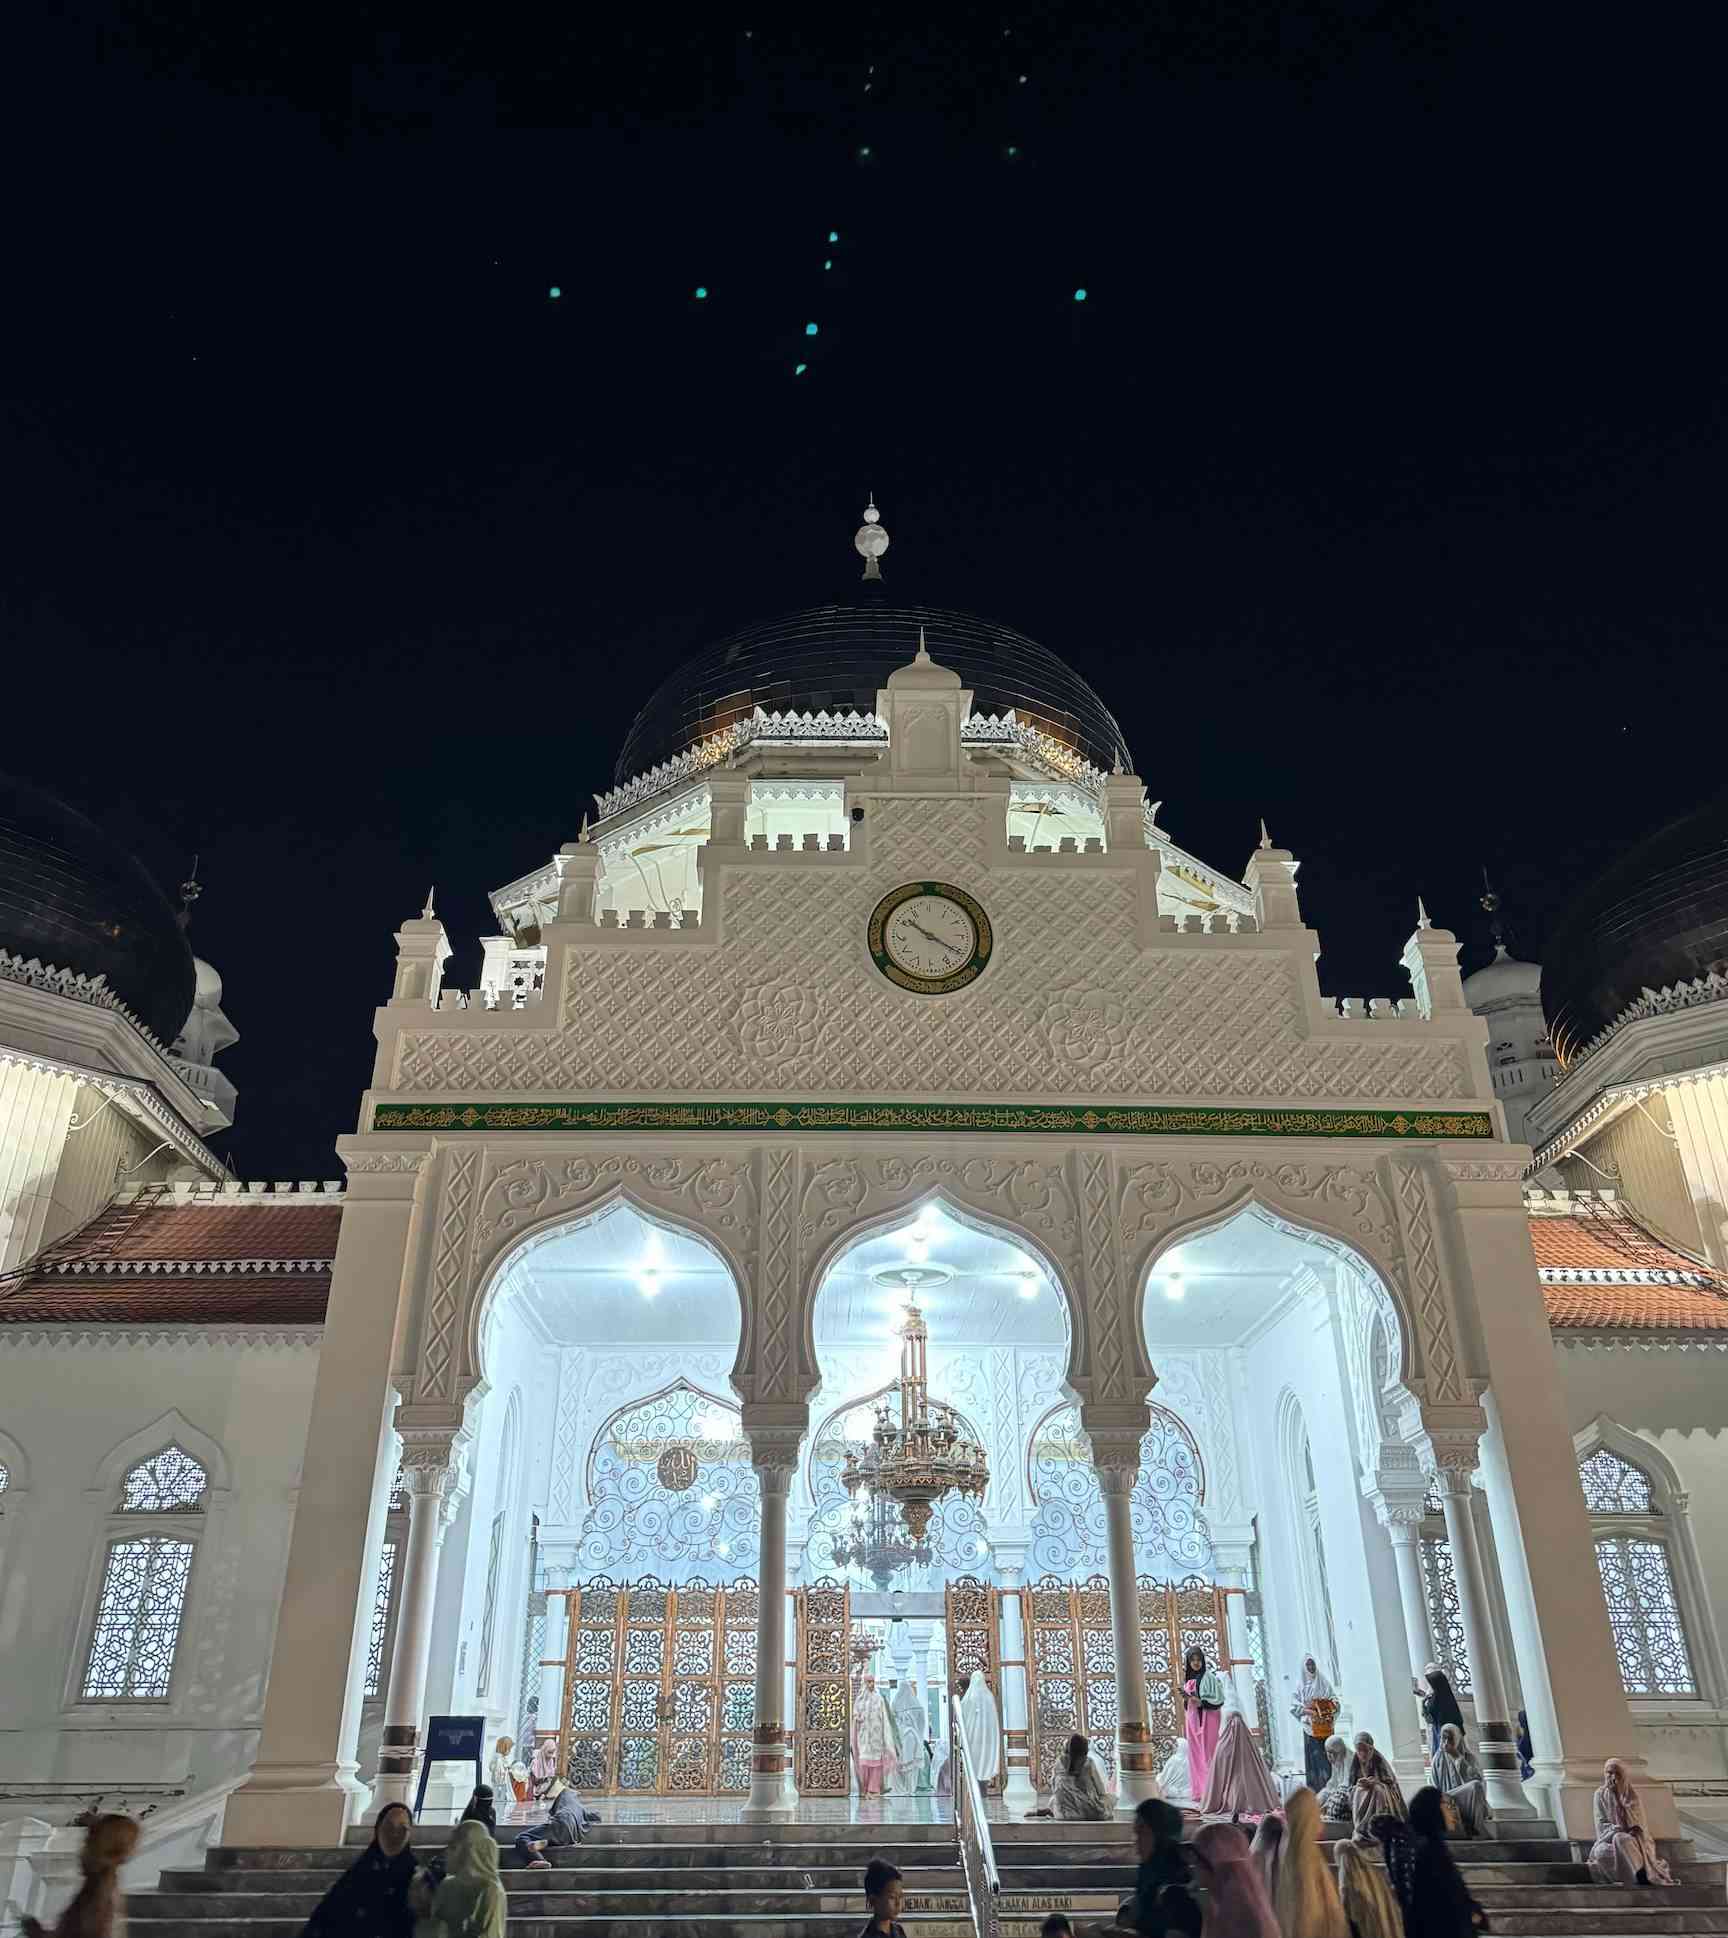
[930, 937]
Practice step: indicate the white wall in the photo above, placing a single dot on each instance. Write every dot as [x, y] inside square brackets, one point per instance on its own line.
[67, 1404]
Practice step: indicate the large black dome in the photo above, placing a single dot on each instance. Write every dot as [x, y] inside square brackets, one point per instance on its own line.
[837, 658]
[73, 900]
[1658, 916]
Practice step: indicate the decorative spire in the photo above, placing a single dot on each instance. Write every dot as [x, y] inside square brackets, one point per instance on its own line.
[1265, 838]
[1422, 921]
[1489, 903]
[871, 541]
[923, 657]
[427, 914]
[582, 832]
[190, 889]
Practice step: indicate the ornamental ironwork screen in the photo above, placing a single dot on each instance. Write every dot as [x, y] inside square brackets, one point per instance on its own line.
[1071, 1661]
[973, 1624]
[824, 1725]
[659, 1687]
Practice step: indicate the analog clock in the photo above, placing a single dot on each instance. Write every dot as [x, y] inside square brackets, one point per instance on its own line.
[930, 937]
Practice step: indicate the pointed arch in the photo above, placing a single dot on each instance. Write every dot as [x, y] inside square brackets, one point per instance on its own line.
[495, 1272]
[170, 1429]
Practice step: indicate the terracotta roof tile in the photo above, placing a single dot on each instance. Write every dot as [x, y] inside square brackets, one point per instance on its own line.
[1601, 1270]
[210, 1234]
[209, 1299]
[1635, 1308]
[1597, 1241]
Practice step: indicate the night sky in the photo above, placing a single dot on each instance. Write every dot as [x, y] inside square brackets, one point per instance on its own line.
[1377, 483]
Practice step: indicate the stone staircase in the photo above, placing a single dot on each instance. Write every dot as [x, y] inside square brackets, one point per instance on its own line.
[1535, 1886]
[684, 1880]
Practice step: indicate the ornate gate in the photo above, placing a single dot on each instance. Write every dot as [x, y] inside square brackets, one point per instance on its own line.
[1071, 1662]
[824, 1689]
[659, 1688]
[971, 1628]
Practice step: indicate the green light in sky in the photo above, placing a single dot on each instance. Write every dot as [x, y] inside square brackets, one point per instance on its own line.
[1079, 296]
[554, 291]
[810, 329]
[833, 235]
[798, 369]
[829, 264]
[701, 292]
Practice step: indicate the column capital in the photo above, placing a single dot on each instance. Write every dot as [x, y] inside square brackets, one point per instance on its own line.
[1455, 1457]
[774, 1449]
[1116, 1459]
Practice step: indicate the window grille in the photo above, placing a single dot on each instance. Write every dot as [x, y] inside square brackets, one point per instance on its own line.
[171, 1482]
[1444, 1617]
[1614, 1486]
[380, 1619]
[1644, 1613]
[138, 1619]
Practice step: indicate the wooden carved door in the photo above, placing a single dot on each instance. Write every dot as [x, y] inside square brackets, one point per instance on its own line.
[971, 1619]
[824, 1724]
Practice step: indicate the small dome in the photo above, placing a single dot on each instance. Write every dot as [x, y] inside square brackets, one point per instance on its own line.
[73, 900]
[837, 658]
[1658, 916]
[1503, 980]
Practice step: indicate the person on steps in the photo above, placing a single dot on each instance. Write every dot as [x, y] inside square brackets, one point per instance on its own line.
[1080, 1795]
[1316, 1708]
[97, 1912]
[1239, 1785]
[1335, 1794]
[1202, 1704]
[1440, 1904]
[1236, 1905]
[1374, 1790]
[1367, 1898]
[1456, 1774]
[1307, 1902]
[1439, 1703]
[1162, 1901]
[565, 1826]
[470, 1903]
[885, 1893]
[1624, 1851]
[1267, 1850]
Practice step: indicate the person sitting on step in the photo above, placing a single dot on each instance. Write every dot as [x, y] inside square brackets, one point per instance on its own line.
[566, 1825]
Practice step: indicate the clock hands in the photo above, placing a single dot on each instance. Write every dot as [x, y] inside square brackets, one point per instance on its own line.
[930, 936]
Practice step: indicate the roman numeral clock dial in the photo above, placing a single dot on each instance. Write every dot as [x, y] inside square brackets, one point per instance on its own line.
[930, 937]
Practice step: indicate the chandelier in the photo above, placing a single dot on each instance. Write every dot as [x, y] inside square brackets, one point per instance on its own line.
[876, 1543]
[925, 1456]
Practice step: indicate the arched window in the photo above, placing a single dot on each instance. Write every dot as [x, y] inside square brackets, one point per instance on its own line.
[145, 1577]
[1633, 1535]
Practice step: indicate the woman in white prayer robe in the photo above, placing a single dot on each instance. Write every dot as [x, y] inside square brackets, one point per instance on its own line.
[913, 1771]
[1455, 1773]
[982, 1728]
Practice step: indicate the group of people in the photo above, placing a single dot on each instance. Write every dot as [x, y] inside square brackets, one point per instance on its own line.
[893, 1753]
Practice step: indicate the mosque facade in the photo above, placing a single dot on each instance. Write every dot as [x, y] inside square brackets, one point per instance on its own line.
[875, 1021]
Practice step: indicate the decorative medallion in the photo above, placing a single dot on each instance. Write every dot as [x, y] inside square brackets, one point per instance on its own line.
[676, 1468]
[930, 937]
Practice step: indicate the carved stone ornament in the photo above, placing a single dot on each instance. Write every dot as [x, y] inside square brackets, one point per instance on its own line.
[362, 1162]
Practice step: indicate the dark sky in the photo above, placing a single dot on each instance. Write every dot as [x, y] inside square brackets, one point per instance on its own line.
[1378, 484]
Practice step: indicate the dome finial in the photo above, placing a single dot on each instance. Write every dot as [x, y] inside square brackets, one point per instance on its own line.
[1422, 921]
[870, 541]
[923, 658]
[427, 914]
[190, 889]
[1490, 906]
[1265, 838]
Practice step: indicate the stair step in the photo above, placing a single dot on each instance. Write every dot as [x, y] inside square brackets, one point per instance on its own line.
[810, 1854]
[729, 1925]
[526, 1901]
[586, 1877]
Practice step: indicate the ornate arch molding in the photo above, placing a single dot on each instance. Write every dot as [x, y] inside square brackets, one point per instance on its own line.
[488, 1210]
[1380, 1215]
[1672, 1500]
[171, 1429]
[1041, 1207]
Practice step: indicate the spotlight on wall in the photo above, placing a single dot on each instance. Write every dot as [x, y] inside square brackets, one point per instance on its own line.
[1174, 1289]
[1028, 1285]
[708, 1501]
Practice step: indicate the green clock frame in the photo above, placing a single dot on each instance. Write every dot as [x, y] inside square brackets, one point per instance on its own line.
[967, 973]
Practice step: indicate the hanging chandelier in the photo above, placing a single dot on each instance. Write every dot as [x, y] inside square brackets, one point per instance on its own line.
[923, 1457]
[876, 1543]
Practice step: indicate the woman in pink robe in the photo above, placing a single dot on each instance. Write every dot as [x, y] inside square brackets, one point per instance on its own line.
[1202, 1705]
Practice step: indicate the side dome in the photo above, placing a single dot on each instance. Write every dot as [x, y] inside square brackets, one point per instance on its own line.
[1505, 979]
[1658, 916]
[835, 659]
[73, 900]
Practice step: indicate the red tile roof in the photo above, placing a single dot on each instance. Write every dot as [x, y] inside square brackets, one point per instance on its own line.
[155, 1262]
[1602, 1271]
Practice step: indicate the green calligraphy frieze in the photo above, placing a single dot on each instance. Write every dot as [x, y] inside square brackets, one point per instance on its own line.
[1046, 1120]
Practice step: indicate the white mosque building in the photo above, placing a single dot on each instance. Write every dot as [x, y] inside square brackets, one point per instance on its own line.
[876, 985]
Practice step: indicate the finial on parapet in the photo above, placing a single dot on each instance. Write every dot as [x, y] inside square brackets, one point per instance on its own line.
[870, 541]
[1422, 921]
[190, 889]
[1265, 838]
[428, 913]
[582, 832]
[1116, 767]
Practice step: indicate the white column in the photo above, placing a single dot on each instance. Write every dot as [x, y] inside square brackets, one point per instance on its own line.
[774, 1457]
[789, 1694]
[1403, 1523]
[302, 1787]
[428, 1479]
[1494, 1746]
[1567, 1666]
[1118, 1469]
[1231, 1567]
[1018, 1792]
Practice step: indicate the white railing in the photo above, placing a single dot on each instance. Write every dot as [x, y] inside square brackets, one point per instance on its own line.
[972, 1829]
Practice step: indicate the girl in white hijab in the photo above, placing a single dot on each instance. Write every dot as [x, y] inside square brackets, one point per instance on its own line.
[982, 1728]
[1316, 1709]
[1624, 1851]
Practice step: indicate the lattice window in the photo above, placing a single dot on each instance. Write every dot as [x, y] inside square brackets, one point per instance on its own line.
[489, 1608]
[170, 1482]
[380, 1619]
[1444, 1616]
[1614, 1486]
[138, 1618]
[1431, 1501]
[1068, 1529]
[1644, 1612]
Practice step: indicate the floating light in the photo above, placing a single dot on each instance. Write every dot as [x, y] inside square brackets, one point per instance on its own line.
[554, 292]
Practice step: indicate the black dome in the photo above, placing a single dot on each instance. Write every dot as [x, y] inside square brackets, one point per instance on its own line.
[1658, 916]
[837, 658]
[73, 900]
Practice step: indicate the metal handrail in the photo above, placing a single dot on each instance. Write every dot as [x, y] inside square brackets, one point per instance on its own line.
[977, 1857]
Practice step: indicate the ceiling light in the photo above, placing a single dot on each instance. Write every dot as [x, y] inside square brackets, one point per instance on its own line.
[648, 1278]
[1028, 1285]
[707, 1500]
[1174, 1289]
[723, 1547]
